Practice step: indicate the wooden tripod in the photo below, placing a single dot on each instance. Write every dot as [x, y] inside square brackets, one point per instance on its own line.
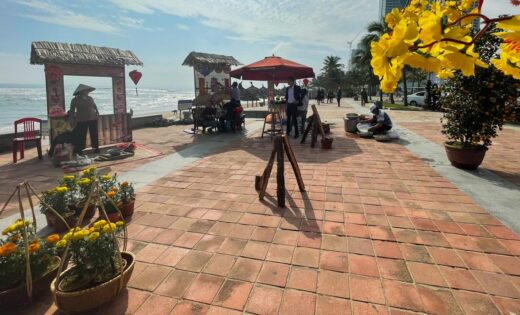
[281, 144]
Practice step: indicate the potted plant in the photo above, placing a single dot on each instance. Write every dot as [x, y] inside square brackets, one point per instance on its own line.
[99, 271]
[84, 184]
[57, 199]
[127, 194]
[476, 107]
[110, 203]
[69, 181]
[43, 263]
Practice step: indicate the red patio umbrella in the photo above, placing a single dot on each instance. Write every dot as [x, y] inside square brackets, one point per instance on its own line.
[273, 69]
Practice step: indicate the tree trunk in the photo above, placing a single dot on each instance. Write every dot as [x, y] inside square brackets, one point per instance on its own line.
[392, 98]
[405, 88]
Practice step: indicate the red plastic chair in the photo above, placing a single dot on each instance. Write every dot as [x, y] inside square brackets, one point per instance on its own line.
[30, 134]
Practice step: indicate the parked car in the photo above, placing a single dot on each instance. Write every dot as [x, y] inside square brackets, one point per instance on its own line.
[417, 99]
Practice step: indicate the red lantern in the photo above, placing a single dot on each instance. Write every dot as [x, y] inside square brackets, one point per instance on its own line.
[135, 76]
[305, 82]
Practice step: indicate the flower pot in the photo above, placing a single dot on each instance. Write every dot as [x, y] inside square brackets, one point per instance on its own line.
[82, 300]
[112, 217]
[128, 209]
[350, 122]
[57, 224]
[326, 143]
[18, 295]
[91, 210]
[465, 158]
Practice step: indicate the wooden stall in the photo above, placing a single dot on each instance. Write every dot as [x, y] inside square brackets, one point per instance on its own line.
[60, 59]
[210, 71]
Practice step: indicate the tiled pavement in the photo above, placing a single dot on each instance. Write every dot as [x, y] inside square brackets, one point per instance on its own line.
[502, 158]
[377, 232]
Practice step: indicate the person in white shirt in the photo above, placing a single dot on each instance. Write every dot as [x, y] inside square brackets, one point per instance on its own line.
[293, 99]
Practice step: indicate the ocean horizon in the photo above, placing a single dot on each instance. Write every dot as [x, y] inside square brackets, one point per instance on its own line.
[28, 100]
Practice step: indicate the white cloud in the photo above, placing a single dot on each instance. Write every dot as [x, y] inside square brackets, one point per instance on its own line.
[54, 14]
[329, 23]
[183, 27]
[494, 8]
[134, 23]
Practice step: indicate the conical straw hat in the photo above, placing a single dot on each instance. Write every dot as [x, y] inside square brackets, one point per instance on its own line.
[83, 87]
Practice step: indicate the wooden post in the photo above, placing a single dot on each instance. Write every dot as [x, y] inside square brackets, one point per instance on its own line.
[262, 181]
[280, 169]
[314, 134]
[310, 121]
[294, 163]
[317, 120]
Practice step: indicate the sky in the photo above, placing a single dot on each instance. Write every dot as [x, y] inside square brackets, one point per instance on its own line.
[163, 32]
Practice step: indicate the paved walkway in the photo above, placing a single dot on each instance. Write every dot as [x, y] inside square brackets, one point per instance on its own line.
[417, 244]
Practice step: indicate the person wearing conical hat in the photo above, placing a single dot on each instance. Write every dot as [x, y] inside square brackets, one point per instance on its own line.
[84, 111]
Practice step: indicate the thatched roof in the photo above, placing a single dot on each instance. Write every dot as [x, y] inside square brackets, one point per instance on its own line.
[203, 58]
[50, 52]
[246, 94]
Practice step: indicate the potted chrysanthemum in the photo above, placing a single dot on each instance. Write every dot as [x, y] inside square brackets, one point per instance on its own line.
[84, 184]
[55, 207]
[98, 272]
[127, 194]
[42, 264]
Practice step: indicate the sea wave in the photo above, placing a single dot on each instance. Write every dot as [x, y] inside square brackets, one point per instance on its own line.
[16, 103]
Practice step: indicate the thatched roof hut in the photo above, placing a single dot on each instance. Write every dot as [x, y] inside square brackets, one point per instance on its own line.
[51, 52]
[195, 58]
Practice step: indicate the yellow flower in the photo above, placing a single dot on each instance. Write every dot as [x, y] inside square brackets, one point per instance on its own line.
[34, 247]
[7, 230]
[67, 236]
[84, 181]
[111, 194]
[99, 224]
[8, 248]
[393, 17]
[69, 177]
[61, 189]
[109, 227]
[106, 177]
[94, 236]
[61, 243]
[120, 223]
[53, 238]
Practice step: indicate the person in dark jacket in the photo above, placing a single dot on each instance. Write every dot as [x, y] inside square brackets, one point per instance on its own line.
[84, 112]
[338, 95]
[364, 97]
[293, 100]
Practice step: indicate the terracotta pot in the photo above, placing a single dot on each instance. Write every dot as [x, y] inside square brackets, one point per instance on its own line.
[465, 158]
[326, 143]
[57, 224]
[82, 300]
[112, 217]
[128, 209]
[91, 210]
[18, 295]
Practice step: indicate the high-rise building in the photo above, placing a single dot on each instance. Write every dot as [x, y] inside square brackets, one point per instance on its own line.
[386, 6]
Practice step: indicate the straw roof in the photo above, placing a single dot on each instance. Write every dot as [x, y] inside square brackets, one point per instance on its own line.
[51, 52]
[198, 57]
[246, 94]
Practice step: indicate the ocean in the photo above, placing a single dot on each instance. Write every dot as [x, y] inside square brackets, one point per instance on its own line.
[20, 102]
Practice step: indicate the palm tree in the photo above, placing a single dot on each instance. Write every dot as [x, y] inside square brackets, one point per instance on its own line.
[332, 71]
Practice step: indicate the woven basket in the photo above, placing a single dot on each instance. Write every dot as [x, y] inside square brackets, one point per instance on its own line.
[18, 295]
[78, 301]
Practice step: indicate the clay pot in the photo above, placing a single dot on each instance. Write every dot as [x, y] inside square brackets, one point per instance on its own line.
[91, 210]
[127, 209]
[326, 143]
[57, 224]
[465, 158]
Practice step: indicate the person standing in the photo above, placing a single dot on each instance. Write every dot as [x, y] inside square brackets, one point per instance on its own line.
[302, 110]
[338, 95]
[84, 112]
[364, 97]
[293, 99]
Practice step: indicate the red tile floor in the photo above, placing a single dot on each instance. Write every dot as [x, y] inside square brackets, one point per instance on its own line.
[377, 232]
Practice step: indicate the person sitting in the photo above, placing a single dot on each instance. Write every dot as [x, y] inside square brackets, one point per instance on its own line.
[380, 121]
